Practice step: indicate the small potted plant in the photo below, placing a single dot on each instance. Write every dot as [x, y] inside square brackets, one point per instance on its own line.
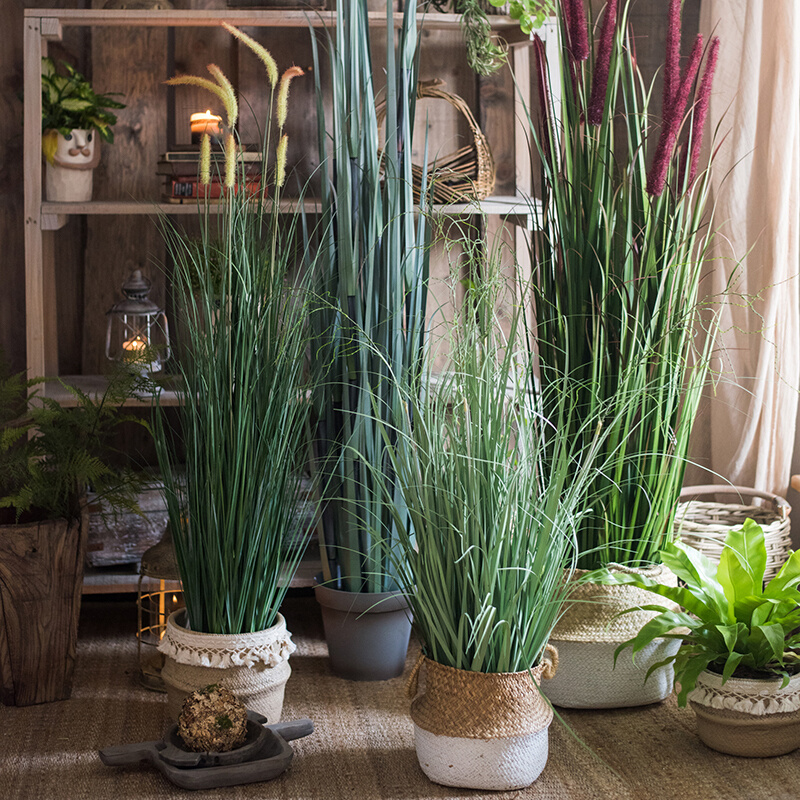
[486, 523]
[738, 664]
[49, 457]
[74, 118]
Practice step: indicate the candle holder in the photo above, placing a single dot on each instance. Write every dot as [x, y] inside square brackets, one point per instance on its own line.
[138, 332]
[159, 594]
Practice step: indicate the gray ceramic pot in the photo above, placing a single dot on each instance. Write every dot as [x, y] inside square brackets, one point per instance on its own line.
[367, 633]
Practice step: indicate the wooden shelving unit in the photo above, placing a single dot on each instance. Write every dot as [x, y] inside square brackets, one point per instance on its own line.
[44, 219]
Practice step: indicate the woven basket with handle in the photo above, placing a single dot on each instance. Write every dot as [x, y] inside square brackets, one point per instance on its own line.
[463, 176]
[703, 524]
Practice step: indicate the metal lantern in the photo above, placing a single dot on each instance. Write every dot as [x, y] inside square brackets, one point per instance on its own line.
[137, 330]
[159, 595]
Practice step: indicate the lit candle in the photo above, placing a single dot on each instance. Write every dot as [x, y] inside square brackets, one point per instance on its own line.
[205, 123]
[132, 345]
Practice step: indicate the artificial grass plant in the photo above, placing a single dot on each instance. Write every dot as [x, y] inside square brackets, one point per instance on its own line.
[244, 412]
[494, 492]
[624, 228]
[371, 280]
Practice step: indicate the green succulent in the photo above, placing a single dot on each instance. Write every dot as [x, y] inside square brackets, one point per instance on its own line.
[70, 103]
[736, 625]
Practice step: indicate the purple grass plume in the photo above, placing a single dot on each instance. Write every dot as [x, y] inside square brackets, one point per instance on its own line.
[673, 119]
[575, 19]
[602, 65]
[672, 66]
[701, 108]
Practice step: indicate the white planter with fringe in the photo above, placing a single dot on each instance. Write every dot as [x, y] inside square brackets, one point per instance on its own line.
[590, 631]
[254, 666]
[747, 717]
[481, 730]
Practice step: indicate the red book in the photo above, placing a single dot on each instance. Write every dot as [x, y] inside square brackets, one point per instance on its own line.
[192, 189]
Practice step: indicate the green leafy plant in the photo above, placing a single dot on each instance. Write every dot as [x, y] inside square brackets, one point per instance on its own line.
[50, 456]
[487, 522]
[244, 414]
[484, 54]
[69, 103]
[371, 281]
[736, 625]
[624, 224]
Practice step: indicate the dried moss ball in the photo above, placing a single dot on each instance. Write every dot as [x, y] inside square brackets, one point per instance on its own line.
[213, 720]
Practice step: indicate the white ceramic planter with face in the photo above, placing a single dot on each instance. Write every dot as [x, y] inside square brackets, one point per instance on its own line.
[69, 178]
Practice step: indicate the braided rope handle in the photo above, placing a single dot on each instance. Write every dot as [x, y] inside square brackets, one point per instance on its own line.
[549, 662]
[782, 508]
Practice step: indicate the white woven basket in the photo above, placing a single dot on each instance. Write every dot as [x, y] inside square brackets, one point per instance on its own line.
[703, 524]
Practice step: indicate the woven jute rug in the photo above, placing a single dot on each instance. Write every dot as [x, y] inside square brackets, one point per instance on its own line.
[362, 747]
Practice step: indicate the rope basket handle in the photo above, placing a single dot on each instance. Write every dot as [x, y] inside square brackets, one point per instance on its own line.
[549, 662]
[782, 508]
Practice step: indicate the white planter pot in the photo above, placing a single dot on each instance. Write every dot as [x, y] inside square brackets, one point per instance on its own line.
[481, 730]
[69, 178]
[746, 717]
[586, 637]
[254, 666]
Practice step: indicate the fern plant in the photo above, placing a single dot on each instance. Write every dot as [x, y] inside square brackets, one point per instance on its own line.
[51, 455]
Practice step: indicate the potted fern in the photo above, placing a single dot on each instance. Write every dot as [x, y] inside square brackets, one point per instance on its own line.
[49, 457]
[74, 120]
[243, 421]
[617, 270]
[371, 277]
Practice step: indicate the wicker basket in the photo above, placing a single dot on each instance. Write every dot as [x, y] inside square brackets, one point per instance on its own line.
[704, 525]
[463, 176]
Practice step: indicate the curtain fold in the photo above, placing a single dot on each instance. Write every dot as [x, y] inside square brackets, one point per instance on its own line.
[746, 434]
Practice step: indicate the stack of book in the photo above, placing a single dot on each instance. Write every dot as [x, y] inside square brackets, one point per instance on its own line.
[181, 170]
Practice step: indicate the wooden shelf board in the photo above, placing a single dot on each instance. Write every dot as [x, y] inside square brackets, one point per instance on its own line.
[54, 215]
[507, 27]
[95, 385]
[125, 578]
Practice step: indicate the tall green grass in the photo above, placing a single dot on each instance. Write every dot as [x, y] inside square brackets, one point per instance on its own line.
[617, 281]
[494, 492]
[371, 280]
[244, 411]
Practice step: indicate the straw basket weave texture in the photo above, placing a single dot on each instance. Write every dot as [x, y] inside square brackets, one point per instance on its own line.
[463, 176]
[588, 633]
[481, 730]
[703, 524]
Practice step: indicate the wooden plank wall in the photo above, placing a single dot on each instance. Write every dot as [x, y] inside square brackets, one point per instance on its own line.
[96, 254]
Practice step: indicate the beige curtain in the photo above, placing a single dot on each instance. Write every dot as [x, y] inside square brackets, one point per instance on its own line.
[747, 433]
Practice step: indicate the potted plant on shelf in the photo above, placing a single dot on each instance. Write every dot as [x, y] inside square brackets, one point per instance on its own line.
[243, 422]
[74, 119]
[617, 265]
[49, 457]
[371, 277]
[738, 662]
[486, 522]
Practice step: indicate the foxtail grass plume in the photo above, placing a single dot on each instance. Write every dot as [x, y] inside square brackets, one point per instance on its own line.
[205, 160]
[229, 96]
[283, 93]
[701, 108]
[225, 93]
[230, 160]
[672, 69]
[602, 64]
[280, 161]
[259, 50]
[673, 119]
